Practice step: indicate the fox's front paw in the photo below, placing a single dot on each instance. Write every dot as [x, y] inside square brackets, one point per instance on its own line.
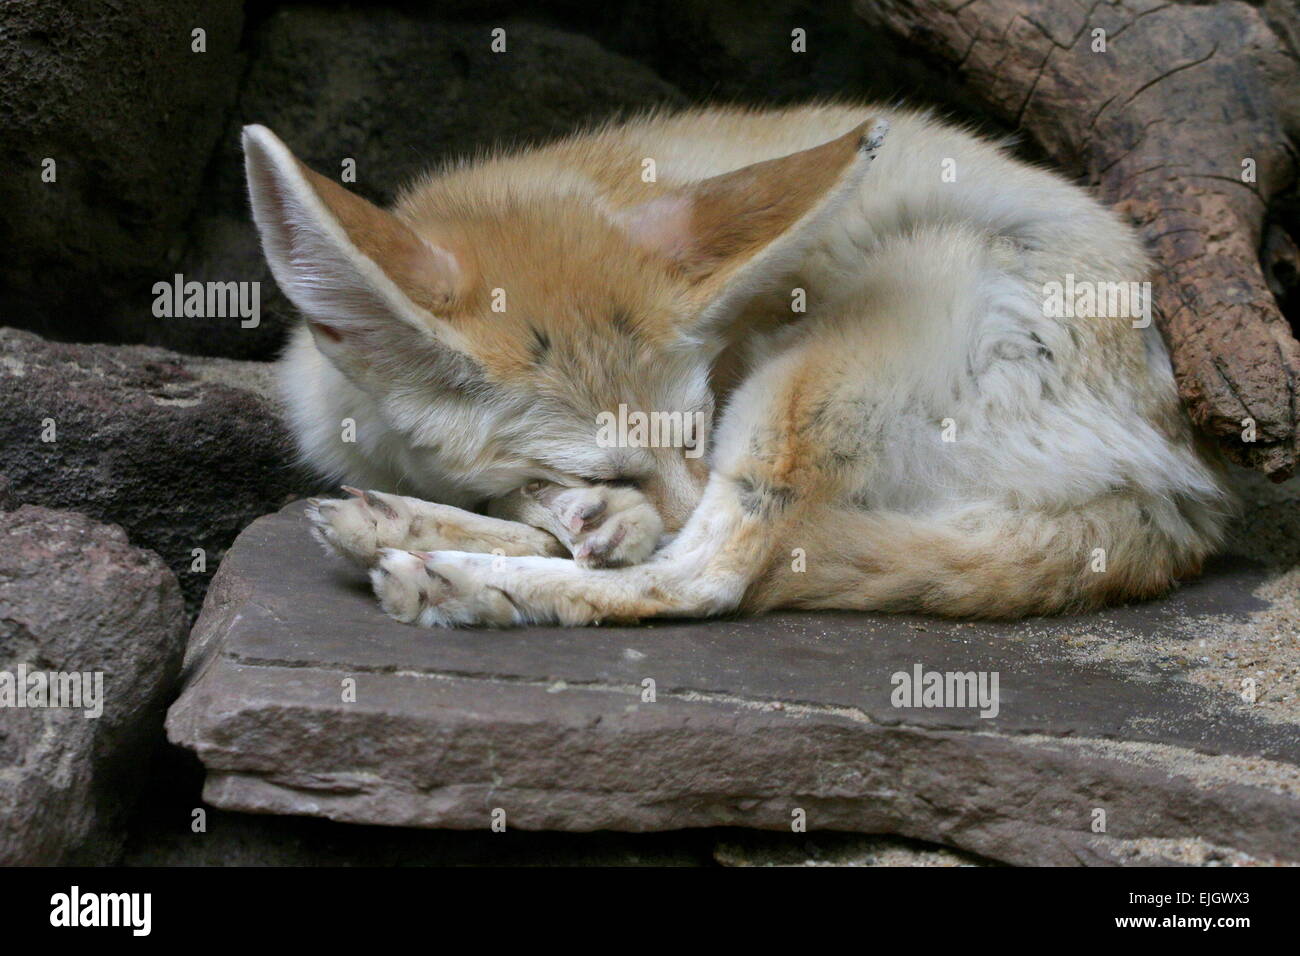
[607, 526]
[360, 526]
[440, 589]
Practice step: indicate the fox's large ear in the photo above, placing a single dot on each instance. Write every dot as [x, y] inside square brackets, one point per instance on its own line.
[733, 235]
[369, 287]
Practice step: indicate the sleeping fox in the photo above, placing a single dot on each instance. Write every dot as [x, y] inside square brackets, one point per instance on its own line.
[907, 419]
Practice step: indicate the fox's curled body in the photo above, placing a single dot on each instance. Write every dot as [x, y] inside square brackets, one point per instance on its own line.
[922, 437]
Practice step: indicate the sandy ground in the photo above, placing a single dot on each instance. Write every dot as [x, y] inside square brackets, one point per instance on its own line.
[1221, 654]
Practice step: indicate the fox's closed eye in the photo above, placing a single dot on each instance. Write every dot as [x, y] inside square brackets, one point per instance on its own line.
[625, 480]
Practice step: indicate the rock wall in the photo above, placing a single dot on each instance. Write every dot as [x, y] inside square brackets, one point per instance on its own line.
[116, 97]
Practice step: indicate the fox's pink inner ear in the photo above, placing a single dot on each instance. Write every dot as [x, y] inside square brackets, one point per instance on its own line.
[713, 228]
[661, 226]
[430, 276]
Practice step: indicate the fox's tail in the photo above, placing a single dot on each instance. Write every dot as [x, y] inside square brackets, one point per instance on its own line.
[987, 561]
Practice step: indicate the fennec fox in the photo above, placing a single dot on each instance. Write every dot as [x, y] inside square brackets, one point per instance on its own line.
[904, 423]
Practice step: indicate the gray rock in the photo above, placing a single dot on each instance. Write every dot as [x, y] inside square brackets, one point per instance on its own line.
[182, 452]
[113, 93]
[76, 596]
[756, 722]
[398, 93]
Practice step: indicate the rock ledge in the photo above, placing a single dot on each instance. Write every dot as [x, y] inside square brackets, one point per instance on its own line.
[753, 721]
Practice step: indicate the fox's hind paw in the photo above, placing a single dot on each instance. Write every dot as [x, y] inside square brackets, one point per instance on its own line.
[440, 589]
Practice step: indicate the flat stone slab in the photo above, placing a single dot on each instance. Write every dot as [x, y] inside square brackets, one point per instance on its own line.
[301, 697]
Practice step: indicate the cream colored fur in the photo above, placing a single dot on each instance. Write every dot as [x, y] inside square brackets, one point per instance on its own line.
[1073, 478]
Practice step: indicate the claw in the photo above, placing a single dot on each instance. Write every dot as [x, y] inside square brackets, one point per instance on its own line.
[600, 551]
[580, 519]
[354, 492]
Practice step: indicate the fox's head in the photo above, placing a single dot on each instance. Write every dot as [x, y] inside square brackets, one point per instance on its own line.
[493, 321]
